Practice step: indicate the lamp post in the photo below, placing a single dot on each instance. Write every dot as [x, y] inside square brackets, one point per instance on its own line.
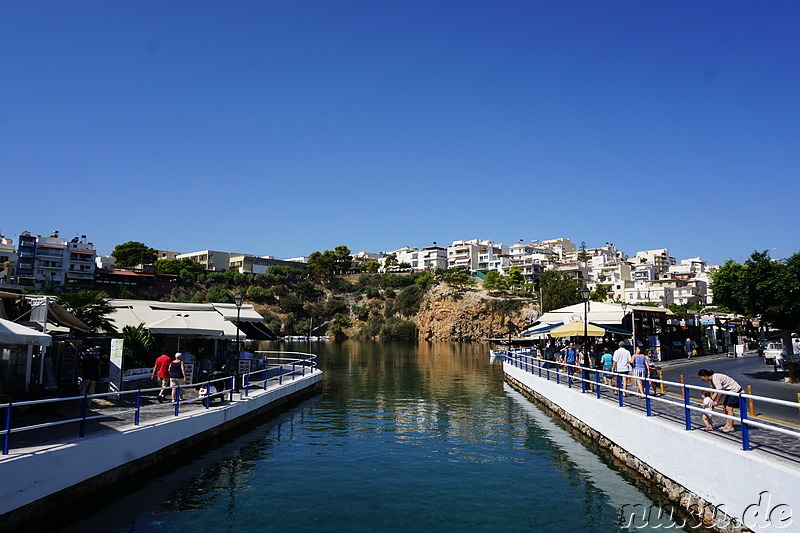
[585, 293]
[633, 323]
[238, 300]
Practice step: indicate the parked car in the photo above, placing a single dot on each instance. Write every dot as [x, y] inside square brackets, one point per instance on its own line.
[774, 351]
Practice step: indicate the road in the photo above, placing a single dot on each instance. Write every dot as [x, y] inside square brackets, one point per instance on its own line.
[747, 370]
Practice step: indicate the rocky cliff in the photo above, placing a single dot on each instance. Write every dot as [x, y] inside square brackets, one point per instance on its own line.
[449, 314]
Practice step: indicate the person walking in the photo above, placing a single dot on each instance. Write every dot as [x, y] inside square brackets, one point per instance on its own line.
[622, 364]
[689, 346]
[570, 358]
[587, 361]
[177, 376]
[607, 360]
[90, 373]
[161, 374]
[640, 370]
[725, 383]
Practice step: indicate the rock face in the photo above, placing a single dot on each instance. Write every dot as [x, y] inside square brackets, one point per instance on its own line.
[447, 314]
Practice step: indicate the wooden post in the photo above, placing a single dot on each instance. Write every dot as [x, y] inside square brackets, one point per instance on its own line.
[751, 406]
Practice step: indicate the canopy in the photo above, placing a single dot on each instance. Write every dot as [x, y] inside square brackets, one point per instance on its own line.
[576, 329]
[13, 333]
[539, 329]
[610, 329]
[183, 324]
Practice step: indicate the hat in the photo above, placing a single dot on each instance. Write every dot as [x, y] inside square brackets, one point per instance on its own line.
[177, 355]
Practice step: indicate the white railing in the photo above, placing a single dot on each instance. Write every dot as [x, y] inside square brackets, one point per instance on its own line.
[580, 379]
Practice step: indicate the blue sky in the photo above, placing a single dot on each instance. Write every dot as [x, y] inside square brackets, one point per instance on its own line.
[284, 127]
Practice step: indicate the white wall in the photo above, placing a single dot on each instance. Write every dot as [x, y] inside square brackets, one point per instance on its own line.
[712, 468]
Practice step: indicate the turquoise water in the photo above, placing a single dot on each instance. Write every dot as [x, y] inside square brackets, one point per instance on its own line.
[402, 438]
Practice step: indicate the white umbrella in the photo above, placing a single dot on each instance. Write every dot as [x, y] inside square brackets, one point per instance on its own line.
[182, 324]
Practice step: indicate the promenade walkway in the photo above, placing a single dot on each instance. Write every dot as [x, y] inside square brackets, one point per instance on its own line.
[780, 440]
[47, 424]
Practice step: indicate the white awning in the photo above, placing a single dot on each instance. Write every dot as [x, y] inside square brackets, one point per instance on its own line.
[13, 333]
[202, 320]
[246, 314]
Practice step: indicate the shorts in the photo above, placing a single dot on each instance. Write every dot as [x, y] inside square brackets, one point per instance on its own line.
[176, 381]
[729, 401]
[607, 368]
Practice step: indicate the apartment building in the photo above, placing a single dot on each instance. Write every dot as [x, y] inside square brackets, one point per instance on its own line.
[659, 258]
[560, 248]
[212, 260]
[464, 254]
[432, 258]
[55, 261]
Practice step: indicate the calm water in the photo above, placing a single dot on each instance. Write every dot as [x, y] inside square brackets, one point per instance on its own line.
[402, 438]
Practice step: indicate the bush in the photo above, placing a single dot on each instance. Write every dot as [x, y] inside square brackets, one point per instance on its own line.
[397, 329]
[360, 312]
[408, 301]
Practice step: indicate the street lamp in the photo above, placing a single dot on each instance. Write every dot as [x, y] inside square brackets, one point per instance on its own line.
[633, 323]
[238, 300]
[585, 293]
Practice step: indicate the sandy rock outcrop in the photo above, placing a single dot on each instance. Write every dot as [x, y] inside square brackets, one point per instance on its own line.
[447, 314]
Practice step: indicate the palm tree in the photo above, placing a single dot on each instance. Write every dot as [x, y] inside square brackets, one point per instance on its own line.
[139, 346]
[91, 307]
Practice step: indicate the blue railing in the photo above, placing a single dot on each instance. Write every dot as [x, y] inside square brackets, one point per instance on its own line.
[613, 382]
[131, 404]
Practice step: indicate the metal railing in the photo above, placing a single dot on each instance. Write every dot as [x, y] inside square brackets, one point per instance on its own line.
[654, 390]
[55, 416]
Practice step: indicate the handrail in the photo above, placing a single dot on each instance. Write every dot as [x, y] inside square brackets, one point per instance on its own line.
[275, 371]
[544, 368]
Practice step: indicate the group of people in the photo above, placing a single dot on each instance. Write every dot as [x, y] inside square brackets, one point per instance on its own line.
[637, 367]
[169, 373]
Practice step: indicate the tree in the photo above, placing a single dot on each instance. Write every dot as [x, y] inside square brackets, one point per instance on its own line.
[370, 266]
[459, 280]
[133, 253]
[583, 255]
[600, 293]
[515, 278]
[344, 261]
[90, 307]
[558, 290]
[390, 261]
[139, 347]
[322, 265]
[176, 266]
[761, 287]
[494, 282]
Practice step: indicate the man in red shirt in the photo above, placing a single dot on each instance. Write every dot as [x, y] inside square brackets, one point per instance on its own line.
[161, 372]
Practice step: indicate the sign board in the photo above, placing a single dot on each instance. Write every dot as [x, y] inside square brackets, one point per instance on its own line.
[115, 367]
[244, 366]
[188, 368]
[39, 311]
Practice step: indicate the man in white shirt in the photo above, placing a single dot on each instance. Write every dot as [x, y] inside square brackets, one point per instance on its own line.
[622, 364]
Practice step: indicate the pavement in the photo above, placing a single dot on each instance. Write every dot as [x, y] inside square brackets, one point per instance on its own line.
[669, 406]
[59, 422]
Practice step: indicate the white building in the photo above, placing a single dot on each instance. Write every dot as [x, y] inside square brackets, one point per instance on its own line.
[55, 261]
[464, 254]
[212, 260]
[8, 260]
[659, 258]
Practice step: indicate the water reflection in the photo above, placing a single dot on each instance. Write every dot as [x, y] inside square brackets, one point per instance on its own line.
[425, 438]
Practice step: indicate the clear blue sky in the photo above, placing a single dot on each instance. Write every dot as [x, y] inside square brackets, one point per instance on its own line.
[284, 127]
